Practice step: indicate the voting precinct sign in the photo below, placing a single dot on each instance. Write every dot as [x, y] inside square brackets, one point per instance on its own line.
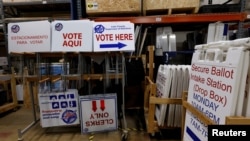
[59, 108]
[72, 36]
[98, 112]
[33, 36]
[113, 36]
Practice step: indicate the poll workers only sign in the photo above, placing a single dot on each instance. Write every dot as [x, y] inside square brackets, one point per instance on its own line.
[113, 36]
[214, 88]
[32, 36]
[72, 36]
[59, 109]
[98, 113]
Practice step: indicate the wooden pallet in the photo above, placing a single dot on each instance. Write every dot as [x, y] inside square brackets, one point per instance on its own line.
[113, 14]
[170, 11]
[12, 105]
[150, 102]
[168, 7]
[96, 8]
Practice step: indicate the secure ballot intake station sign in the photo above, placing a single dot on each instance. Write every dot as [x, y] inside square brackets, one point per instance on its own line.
[32, 36]
[72, 36]
[59, 109]
[98, 112]
[217, 83]
[113, 36]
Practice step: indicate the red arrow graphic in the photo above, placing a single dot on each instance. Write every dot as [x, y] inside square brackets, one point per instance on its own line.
[94, 108]
[102, 102]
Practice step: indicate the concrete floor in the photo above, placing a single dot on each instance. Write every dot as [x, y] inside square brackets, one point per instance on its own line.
[11, 121]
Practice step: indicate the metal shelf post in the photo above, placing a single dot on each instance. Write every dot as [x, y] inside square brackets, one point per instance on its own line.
[240, 33]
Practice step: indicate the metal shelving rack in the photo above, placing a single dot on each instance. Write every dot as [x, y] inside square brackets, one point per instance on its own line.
[190, 18]
[36, 2]
[2, 14]
[2, 23]
[240, 32]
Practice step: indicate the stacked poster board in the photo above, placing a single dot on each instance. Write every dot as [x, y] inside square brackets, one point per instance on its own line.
[171, 81]
[217, 87]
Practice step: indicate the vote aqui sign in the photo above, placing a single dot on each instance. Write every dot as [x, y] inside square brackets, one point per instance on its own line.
[34, 36]
[98, 113]
[72, 36]
[113, 36]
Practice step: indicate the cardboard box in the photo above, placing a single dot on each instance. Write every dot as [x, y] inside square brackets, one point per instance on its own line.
[112, 6]
[153, 5]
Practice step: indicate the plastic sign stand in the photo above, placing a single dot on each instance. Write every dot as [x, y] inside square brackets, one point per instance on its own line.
[113, 36]
[173, 90]
[179, 89]
[34, 36]
[163, 83]
[98, 113]
[214, 87]
[59, 109]
[246, 101]
[182, 85]
[72, 36]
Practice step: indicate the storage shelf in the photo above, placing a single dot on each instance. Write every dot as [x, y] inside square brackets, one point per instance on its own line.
[60, 54]
[189, 18]
[35, 2]
[23, 19]
[75, 77]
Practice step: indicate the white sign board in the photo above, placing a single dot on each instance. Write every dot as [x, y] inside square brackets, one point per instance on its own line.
[32, 36]
[98, 112]
[213, 88]
[113, 36]
[59, 109]
[72, 36]
[163, 83]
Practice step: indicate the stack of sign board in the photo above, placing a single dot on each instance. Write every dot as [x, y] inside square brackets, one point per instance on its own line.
[59, 108]
[217, 32]
[70, 36]
[165, 41]
[98, 113]
[217, 85]
[171, 81]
